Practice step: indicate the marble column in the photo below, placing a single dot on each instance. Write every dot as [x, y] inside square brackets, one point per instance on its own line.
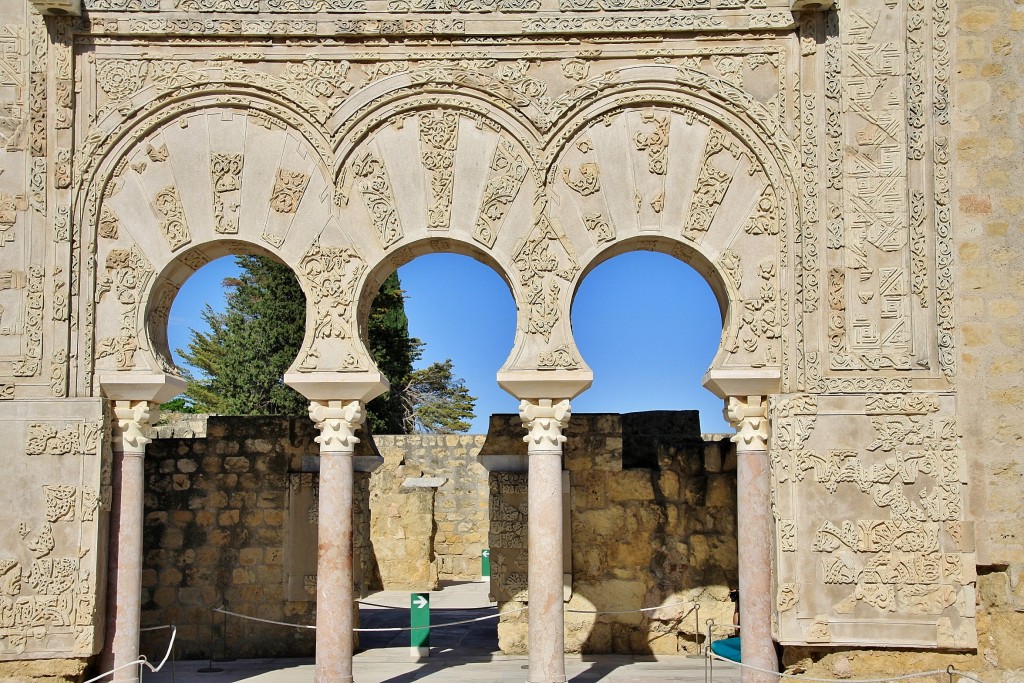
[545, 421]
[124, 579]
[749, 416]
[335, 600]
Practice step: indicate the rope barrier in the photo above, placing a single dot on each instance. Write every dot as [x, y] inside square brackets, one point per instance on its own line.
[394, 629]
[631, 611]
[950, 670]
[464, 609]
[142, 661]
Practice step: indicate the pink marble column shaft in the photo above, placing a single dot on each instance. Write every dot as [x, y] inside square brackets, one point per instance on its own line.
[544, 552]
[754, 536]
[545, 422]
[334, 595]
[335, 601]
[124, 583]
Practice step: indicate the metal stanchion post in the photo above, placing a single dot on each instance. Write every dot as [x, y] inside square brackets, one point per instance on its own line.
[211, 669]
[224, 639]
[696, 629]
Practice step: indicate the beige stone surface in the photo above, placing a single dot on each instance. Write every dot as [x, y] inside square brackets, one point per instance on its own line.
[845, 180]
[635, 545]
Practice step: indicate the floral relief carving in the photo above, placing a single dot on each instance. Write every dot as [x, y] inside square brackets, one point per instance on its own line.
[439, 137]
[712, 184]
[127, 275]
[508, 171]
[561, 358]
[599, 227]
[542, 260]
[331, 273]
[109, 223]
[289, 187]
[589, 181]
[226, 173]
[173, 226]
[29, 365]
[322, 78]
[77, 438]
[654, 143]
[765, 218]
[378, 198]
[119, 79]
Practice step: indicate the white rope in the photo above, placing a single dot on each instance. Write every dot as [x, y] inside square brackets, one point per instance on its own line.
[949, 671]
[630, 611]
[262, 621]
[461, 609]
[371, 630]
[142, 661]
[433, 626]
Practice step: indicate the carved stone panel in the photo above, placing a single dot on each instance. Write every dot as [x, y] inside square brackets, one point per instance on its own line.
[875, 545]
[51, 555]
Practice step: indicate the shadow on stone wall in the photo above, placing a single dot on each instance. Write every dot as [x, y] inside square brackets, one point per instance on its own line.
[652, 523]
[231, 513]
[230, 520]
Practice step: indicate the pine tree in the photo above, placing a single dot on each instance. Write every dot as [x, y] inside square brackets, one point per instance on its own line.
[437, 401]
[248, 347]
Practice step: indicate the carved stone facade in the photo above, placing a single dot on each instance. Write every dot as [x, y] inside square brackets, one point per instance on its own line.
[824, 169]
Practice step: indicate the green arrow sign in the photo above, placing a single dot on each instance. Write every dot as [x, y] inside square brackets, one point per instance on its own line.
[485, 563]
[419, 621]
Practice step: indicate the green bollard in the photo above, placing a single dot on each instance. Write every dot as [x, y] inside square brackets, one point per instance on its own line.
[419, 622]
[485, 564]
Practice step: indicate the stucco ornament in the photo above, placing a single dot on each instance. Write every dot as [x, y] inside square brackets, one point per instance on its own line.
[132, 418]
[337, 421]
[749, 416]
[545, 420]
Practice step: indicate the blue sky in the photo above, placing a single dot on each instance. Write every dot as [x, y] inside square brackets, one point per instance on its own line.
[646, 323]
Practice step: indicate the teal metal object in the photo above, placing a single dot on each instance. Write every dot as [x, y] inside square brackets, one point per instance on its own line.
[729, 648]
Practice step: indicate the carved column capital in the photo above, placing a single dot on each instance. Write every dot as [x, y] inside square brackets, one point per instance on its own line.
[131, 418]
[337, 421]
[749, 417]
[545, 421]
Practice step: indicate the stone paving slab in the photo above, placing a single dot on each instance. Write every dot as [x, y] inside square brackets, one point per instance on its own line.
[467, 652]
[381, 667]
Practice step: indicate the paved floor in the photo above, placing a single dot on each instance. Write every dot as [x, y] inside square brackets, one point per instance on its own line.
[466, 652]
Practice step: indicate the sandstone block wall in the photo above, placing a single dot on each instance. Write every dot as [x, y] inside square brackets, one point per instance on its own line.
[231, 520]
[219, 507]
[424, 532]
[652, 522]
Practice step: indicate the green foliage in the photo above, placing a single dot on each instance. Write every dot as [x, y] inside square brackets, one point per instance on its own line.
[437, 401]
[246, 350]
[394, 352]
[248, 347]
[179, 404]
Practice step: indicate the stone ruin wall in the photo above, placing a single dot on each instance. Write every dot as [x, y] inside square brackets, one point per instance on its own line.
[231, 515]
[435, 527]
[230, 522]
[652, 521]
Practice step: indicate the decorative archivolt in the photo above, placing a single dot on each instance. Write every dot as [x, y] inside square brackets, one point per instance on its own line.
[462, 166]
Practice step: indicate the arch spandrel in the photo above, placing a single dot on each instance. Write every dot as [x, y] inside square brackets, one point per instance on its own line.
[200, 183]
[665, 177]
